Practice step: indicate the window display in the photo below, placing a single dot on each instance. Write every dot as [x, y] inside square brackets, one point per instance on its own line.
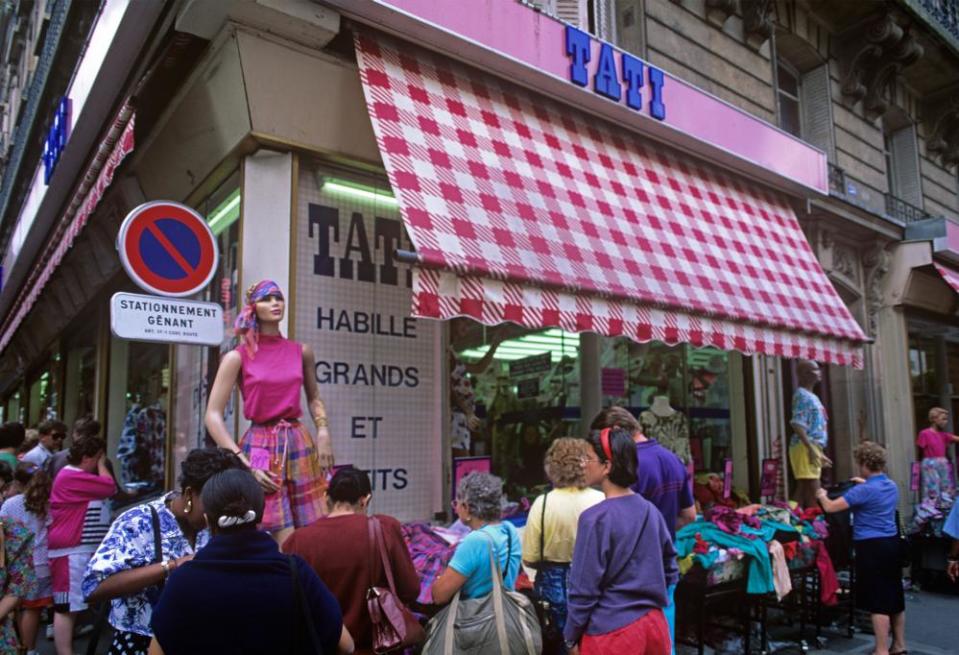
[680, 394]
[512, 392]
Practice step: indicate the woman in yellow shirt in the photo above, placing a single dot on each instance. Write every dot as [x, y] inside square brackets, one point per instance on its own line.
[551, 528]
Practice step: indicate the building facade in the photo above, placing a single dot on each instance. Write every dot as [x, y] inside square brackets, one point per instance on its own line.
[308, 135]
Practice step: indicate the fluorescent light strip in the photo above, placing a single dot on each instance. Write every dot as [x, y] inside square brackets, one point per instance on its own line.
[225, 214]
[358, 191]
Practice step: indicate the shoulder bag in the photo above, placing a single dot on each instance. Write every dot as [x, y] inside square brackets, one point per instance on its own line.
[394, 626]
[302, 611]
[472, 626]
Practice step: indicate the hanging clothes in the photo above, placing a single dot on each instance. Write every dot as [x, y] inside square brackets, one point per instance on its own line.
[760, 575]
[670, 431]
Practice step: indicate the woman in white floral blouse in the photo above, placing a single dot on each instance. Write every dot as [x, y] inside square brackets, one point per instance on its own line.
[127, 568]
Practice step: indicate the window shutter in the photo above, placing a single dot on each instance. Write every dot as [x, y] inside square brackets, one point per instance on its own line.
[904, 151]
[815, 107]
[571, 11]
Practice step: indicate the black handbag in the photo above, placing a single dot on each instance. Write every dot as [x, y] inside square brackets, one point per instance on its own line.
[553, 642]
[905, 551]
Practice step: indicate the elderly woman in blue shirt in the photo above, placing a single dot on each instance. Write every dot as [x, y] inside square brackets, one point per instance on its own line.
[875, 535]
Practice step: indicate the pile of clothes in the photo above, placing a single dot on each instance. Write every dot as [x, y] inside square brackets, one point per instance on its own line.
[768, 540]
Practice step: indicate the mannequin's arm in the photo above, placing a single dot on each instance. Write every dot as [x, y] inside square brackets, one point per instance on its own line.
[324, 443]
[226, 377]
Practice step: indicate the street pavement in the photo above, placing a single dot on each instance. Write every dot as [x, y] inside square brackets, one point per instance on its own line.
[932, 628]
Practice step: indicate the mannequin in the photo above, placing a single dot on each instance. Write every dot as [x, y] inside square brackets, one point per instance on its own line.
[667, 426]
[269, 370]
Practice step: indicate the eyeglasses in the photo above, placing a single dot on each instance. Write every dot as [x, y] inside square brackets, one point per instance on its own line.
[588, 458]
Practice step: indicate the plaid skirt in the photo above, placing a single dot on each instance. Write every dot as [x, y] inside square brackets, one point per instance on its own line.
[285, 449]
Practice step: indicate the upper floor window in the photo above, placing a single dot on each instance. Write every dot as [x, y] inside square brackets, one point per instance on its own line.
[788, 82]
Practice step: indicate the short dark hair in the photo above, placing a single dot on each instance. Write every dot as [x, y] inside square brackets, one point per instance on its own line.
[203, 463]
[6, 473]
[86, 426]
[616, 417]
[87, 446]
[622, 473]
[51, 426]
[12, 434]
[348, 486]
[233, 493]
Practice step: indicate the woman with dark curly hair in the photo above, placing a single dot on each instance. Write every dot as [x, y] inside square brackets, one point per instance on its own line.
[551, 529]
[127, 567]
[622, 562]
[875, 536]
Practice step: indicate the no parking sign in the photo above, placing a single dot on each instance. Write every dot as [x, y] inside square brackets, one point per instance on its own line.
[167, 249]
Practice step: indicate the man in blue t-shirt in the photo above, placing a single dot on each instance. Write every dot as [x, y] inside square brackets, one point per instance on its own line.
[661, 478]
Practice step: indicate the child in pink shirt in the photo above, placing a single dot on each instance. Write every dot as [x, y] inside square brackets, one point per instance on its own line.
[79, 520]
[938, 486]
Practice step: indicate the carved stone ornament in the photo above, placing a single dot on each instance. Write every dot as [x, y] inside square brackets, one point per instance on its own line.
[844, 263]
[718, 11]
[758, 18]
[878, 51]
[876, 262]
[943, 141]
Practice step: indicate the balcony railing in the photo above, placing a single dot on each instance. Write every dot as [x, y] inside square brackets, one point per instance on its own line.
[944, 14]
[903, 211]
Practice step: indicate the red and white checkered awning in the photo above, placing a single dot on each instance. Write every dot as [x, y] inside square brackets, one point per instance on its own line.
[950, 275]
[113, 150]
[523, 209]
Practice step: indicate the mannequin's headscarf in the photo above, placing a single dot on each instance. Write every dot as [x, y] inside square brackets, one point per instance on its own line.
[246, 325]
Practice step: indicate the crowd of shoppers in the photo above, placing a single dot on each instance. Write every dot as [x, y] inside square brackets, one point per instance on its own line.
[193, 571]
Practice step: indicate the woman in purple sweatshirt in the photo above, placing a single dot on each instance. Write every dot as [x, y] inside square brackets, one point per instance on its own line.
[622, 561]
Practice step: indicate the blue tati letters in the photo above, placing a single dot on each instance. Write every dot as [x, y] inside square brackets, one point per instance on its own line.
[605, 82]
[609, 79]
[633, 77]
[577, 48]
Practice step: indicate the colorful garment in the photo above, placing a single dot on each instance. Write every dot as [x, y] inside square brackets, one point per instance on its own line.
[933, 442]
[809, 414]
[80, 518]
[551, 585]
[141, 450]
[129, 545]
[270, 383]
[430, 553]
[15, 509]
[672, 432]
[563, 507]
[16, 576]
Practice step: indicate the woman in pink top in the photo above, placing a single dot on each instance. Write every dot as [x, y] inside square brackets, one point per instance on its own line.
[270, 371]
[79, 519]
[938, 487]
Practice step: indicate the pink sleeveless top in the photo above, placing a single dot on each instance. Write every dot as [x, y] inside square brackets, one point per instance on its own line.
[271, 380]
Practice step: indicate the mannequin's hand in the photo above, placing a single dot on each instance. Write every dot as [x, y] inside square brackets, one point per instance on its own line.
[324, 448]
[266, 480]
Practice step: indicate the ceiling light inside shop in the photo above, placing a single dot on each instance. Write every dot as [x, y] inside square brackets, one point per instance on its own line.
[225, 214]
[358, 191]
[554, 341]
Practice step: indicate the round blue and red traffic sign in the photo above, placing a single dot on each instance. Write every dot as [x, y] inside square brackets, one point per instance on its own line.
[167, 249]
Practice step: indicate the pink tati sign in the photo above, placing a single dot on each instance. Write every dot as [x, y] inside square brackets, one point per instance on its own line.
[538, 48]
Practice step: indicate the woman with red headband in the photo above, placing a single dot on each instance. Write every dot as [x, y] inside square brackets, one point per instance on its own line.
[622, 561]
[270, 370]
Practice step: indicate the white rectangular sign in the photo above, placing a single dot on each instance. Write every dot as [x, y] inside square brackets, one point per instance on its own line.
[168, 320]
[376, 365]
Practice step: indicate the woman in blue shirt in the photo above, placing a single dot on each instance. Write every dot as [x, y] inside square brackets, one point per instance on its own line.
[479, 502]
[873, 502]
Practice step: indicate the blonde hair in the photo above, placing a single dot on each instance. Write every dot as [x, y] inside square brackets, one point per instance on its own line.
[871, 455]
[936, 412]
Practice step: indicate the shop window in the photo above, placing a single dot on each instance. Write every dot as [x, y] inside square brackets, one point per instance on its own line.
[43, 396]
[80, 368]
[196, 367]
[925, 377]
[12, 408]
[512, 392]
[137, 404]
[681, 395]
